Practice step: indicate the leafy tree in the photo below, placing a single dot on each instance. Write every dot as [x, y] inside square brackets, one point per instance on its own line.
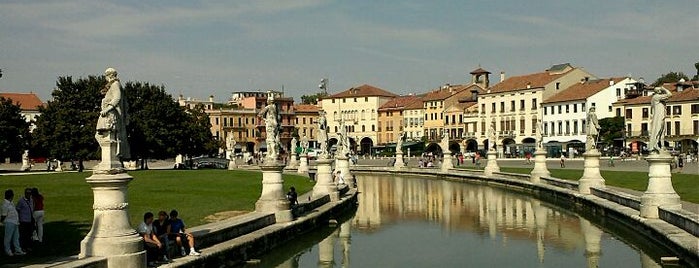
[65, 129]
[670, 77]
[611, 128]
[313, 98]
[198, 139]
[14, 129]
[696, 76]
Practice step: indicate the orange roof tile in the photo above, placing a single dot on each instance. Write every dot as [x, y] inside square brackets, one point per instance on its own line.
[447, 91]
[535, 80]
[308, 108]
[688, 94]
[416, 104]
[362, 91]
[27, 101]
[479, 71]
[581, 91]
[399, 103]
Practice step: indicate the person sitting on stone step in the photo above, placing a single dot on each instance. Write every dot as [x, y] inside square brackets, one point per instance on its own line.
[179, 233]
[151, 242]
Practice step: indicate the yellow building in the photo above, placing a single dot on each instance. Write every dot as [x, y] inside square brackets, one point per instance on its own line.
[513, 105]
[391, 120]
[306, 122]
[414, 120]
[358, 106]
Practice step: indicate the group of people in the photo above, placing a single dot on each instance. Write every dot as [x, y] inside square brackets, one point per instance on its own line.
[24, 221]
[157, 234]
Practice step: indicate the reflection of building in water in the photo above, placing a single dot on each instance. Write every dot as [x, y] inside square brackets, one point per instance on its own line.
[480, 209]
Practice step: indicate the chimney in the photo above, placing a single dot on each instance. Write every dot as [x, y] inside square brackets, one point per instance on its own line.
[529, 85]
[211, 98]
[611, 82]
[502, 76]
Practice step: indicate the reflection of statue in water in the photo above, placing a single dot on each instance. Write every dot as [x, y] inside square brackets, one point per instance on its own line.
[304, 144]
[292, 149]
[492, 137]
[539, 135]
[657, 123]
[592, 130]
[272, 118]
[399, 142]
[111, 124]
[323, 134]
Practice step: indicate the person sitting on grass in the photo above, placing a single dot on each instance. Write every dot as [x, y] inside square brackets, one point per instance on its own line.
[178, 232]
[162, 230]
[151, 242]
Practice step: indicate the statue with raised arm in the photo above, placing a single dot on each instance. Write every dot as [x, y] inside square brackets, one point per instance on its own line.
[445, 141]
[293, 146]
[272, 118]
[399, 142]
[539, 135]
[657, 123]
[492, 137]
[592, 129]
[112, 120]
[323, 134]
[304, 144]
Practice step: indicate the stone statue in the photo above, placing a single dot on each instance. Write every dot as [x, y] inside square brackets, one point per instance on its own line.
[399, 142]
[323, 134]
[343, 139]
[492, 137]
[230, 142]
[292, 149]
[592, 129]
[657, 123]
[112, 121]
[445, 141]
[539, 135]
[304, 144]
[272, 118]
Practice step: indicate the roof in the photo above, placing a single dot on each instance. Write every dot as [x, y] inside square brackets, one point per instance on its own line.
[308, 108]
[449, 90]
[582, 91]
[559, 67]
[459, 106]
[362, 91]
[535, 80]
[399, 103]
[479, 71]
[417, 104]
[688, 94]
[26, 101]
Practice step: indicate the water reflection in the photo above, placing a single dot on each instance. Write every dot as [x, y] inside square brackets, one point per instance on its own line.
[417, 222]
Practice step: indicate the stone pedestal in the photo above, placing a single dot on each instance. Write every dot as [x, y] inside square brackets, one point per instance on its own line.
[660, 192]
[25, 162]
[342, 164]
[110, 162]
[303, 163]
[59, 166]
[293, 162]
[540, 169]
[591, 176]
[399, 160]
[273, 199]
[446, 162]
[231, 164]
[111, 235]
[492, 165]
[324, 181]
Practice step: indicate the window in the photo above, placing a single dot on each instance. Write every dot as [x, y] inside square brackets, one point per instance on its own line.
[582, 129]
[618, 112]
[521, 105]
[546, 128]
[583, 107]
[575, 127]
[560, 128]
[677, 110]
[492, 108]
[677, 128]
[502, 106]
[560, 109]
[644, 113]
[558, 85]
[668, 129]
[333, 100]
[609, 108]
[534, 104]
[545, 111]
[355, 99]
[373, 128]
[629, 114]
[644, 129]
[575, 108]
[567, 127]
[533, 125]
[216, 123]
[344, 100]
[521, 126]
[567, 108]
[512, 106]
[482, 108]
[695, 108]
[618, 92]
[696, 127]
[628, 129]
[366, 99]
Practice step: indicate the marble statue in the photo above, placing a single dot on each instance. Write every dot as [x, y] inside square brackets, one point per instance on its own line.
[657, 123]
[304, 144]
[592, 129]
[539, 135]
[272, 118]
[230, 142]
[323, 134]
[293, 146]
[112, 120]
[399, 142]
[445, 141]
[343, 139]
[492, 137]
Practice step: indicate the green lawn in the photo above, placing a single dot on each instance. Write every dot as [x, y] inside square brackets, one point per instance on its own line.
[686, 185]
[194, 193]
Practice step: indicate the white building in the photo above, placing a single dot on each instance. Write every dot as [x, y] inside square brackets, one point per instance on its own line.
[564, 114]
[29, 104]
[414, 116]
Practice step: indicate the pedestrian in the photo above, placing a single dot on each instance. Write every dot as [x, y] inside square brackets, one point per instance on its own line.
[10, 218]
[529, 157]
[680, 162]
[38, 214]
[611, 160]
[292, 196]
[25, 209]
[563, 161]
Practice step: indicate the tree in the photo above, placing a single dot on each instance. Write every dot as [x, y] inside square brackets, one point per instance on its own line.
[610, 129]
[671, 77]
[66, 127]
[14, 129]
[198, 138]
[313, 98]
[696, 76]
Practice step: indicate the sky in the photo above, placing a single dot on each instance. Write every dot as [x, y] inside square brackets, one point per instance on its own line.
[202, 48]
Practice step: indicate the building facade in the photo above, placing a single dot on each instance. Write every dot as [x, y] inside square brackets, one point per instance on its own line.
[29, 104]
[307, 123]
[391, 118]
[414, 120]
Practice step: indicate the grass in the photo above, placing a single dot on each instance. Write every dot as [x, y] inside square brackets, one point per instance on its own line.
[686, 185]
[194, 193]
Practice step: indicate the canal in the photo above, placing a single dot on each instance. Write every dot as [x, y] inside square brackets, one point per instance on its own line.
[423, 222]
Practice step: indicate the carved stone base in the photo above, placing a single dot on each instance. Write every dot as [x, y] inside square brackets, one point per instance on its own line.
[293, 162]
[492, 165]
[660, 192]
[399, 160]
[591, 176]
[303, 164]
[342, 164]
[540, 169]
[324, 180]
[111, 235]
[231, 164]
[446, 162]
[273, 198]
[110, 163]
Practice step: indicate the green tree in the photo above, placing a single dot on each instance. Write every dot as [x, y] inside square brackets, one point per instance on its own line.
[670, 77]
[198, 139]
[14, 129]
[610, 129]
[696, 76]
[66, 128]
[313, 98]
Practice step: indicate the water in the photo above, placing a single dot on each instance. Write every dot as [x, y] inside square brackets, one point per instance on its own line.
[419, 222]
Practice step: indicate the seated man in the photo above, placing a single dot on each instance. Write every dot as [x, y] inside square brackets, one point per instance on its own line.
[151, 242]
[161, 228]
[178, 232]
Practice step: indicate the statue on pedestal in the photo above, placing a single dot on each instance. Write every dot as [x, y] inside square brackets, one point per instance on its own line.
[230, 144]
[445, 142]
[323, 134]
[304, 144]
[399, 142]
[539, 135]
[272, 127]
[112, 121]
[292, 148]
[592, 129]
[492, 137]
[657, 123]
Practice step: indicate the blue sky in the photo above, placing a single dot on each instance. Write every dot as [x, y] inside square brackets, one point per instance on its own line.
[199, 48]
